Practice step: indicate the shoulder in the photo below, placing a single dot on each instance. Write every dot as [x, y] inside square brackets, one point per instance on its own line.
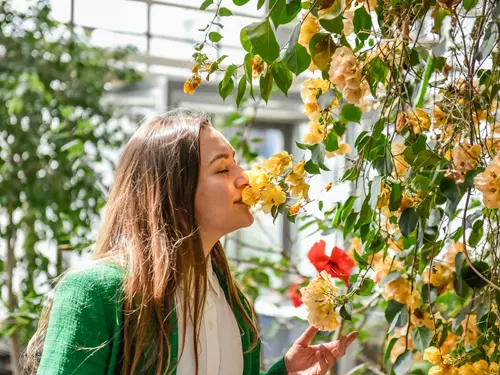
[98, 280]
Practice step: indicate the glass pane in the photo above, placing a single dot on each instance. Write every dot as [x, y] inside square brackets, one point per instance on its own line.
[249, 8]
[61, 10]
[178, 22]
[171, 49]
[105, 38]
[231, 30]
[112, 15]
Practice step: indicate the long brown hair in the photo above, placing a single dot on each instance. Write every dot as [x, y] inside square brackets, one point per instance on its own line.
[150, 228]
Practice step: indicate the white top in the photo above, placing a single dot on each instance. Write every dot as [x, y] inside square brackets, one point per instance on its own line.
[219, 350]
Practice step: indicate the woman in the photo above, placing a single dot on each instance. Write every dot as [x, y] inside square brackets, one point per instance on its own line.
[160, 280]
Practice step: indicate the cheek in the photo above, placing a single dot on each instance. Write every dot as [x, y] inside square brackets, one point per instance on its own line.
[212, 196]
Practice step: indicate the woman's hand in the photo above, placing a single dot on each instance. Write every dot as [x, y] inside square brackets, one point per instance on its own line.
[305, 359]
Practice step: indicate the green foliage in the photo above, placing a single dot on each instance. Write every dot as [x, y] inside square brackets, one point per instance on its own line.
[57, 129]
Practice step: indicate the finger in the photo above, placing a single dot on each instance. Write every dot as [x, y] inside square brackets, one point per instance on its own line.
[339, 351]
[351, 337]
[307, 336]
[330, 358]
[323, 364]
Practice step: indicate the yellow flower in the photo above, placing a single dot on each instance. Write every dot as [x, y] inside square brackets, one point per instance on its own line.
[467, 369]
[436, 370]
[346, 75]
[272, 195]
[439, 275]
[277, 163]
[433, 355]
[466, 157]
[399, 290]
[383, 266]
[258, 66]
[316, 133]
[319, 300]
[440, 117]
[250, 197]
[328, 187]
[257, 178]
[481, 366]
[294, 210]
[344, 148]
[298, 174]
[401, 166]
[311, 88]
[192, 84]
[419, 120]
[469, 324]
[488, 183]
[385, 195]
[494, 367]
[355, 247]
[300, 191]
[310, 26]
[348, 16]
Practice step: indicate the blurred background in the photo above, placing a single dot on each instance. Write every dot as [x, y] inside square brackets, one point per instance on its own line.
[77, 77]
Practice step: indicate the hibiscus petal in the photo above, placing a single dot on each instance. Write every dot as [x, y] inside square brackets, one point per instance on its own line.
[318, 258]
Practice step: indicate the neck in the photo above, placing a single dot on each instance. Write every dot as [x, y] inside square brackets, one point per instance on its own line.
[208, 243]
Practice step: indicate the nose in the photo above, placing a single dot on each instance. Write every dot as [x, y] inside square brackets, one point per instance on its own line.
[241, 181]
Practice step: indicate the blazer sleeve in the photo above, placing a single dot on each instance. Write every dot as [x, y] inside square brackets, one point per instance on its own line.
[277, 369]
[78, 337]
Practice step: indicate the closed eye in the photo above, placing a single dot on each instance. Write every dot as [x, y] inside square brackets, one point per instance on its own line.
[224, 171]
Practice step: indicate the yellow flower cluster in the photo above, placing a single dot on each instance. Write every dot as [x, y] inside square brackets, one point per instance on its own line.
[310, 26]
[488, 183]
[401, 166]
[346, 75]
[400, 290]
[418, 121]
[319, 300]
[440, 274]
[192, 84]
[446, 365]
[465, 158]
[258, 66]
[266, 188]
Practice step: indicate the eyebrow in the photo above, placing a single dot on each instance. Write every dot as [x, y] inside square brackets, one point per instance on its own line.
[221, 156]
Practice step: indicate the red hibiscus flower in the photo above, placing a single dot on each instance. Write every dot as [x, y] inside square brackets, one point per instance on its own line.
[294, 294]
[338, 264]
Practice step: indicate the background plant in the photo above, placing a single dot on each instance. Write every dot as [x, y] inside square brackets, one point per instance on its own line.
[54, 130]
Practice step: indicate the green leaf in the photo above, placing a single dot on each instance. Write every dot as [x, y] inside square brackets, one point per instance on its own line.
[396, 196]
[486, 321]
[376, 71]
[476, 233]
[403, 363]
[425, 82]
[225, 12]
[214, 36]
[421, 337]
[298, 59]
[284, 12]
[362, 22]
[331, 142]
[229, 73]
[335, 25]
[311, 168]
[408, 221]
[245, 42]
[361, 261]
[350, 112]
[388, 350]
[346, 311]
[240, 2]
[461, 288]
[469, 4]
[242, 86]
[439, 16]
[266, 85]
[225, 88]
[206, 4]
[322, 48]
[396, 314]
[260, 4]
[261, 36]
[472, 278]
[366, 287]
[489, 41]
[248, 72]
[282, 76]
[450, 190]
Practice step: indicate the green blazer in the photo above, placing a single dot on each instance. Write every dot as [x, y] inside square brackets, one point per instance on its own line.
[84, 335]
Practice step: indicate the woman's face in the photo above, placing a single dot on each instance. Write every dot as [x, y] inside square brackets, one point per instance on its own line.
[218, 205]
